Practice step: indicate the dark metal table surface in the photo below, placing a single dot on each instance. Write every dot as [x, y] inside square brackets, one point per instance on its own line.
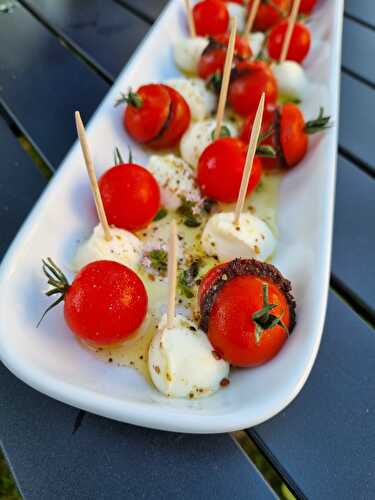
[58, 55]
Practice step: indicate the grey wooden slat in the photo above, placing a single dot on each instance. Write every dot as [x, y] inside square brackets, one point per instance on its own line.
[20, 185]
[364, 10]
[357, 120]
[358, 49]
[104, 459]
[354, 235]
[42, 83]
[325, 440]
[104, 30]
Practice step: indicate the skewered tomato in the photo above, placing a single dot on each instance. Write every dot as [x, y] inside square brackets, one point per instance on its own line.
[105, 304]
[306, 7]
[247, 310]
[131, 196]
[299, 43]
[211, 17]
[248, 82]
[268, 137]
[213, 57]
[287, 132]
[270, 13]
[177, 123]
[156, 115]
[220, 170]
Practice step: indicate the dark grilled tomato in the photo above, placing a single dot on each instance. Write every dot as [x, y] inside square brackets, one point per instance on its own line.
[211, 18]
[105, 303]
[156, 115]
[287, 132]
[299, 43]
[270, 13]
[213, 57]
[247, 310]
[220, 170]
[248, 82]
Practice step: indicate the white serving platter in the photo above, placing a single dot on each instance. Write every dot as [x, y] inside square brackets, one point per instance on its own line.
[52, 361]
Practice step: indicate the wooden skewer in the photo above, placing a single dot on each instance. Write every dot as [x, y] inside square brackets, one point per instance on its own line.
[226, 77]
[249, 160]
[288, 35]
[251, 18]
[92, 176]
[172, 274]
[190, 18]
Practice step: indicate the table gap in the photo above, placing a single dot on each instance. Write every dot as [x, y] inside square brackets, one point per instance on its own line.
[359, 21]
[360, 78]
[257, 457]
[25, 142]
[275, 464]
[362, 165]
[7, 472]
[134, 10]
[68, 43]
[359, 306]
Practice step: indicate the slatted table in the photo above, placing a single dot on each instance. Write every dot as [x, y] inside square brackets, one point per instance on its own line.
[56, 55]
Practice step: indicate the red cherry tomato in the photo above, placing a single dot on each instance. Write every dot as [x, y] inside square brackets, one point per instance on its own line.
[270, 12]
[249, 80]
[146, 112]
[211, 17]
[232, 329]
[299, 43]
[156, 115]
[177, 123]
[220, 170]
[131, 196]
[306, 7]
[269, 126]
[293, 138]
[105, 303]
[213, 57]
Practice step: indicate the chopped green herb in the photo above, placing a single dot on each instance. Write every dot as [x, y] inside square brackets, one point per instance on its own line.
[186, 210]
[186, 279]
[159, 260]
[161, 214]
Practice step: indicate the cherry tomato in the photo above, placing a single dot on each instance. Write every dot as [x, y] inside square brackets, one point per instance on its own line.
[176, 124]
[146, 112]
[249, 80]
[270, 12]
[213, 57]
[299, 43]
[232, 329]
[156, 115]
[211, 17]
[269, 126]
[105, 303]
[306, 7]
[293, 138]
[220, 170]
[131, 196]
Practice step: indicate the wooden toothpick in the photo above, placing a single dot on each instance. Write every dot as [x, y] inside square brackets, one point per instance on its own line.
[190, 18]
[92, 176]
[251, 17]
[172, 274]
[226, 77]
[288, 35]
[249, 160]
